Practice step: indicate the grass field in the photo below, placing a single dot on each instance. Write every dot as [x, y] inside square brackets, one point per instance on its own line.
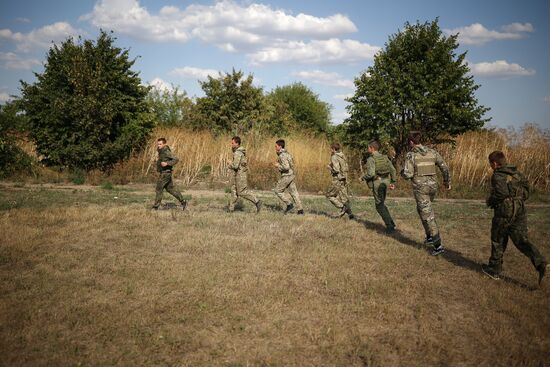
[90, 277]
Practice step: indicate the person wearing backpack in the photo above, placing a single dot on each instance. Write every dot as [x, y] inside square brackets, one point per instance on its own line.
[420, 167]
[338, 193]
[380, 177]
[509, 190]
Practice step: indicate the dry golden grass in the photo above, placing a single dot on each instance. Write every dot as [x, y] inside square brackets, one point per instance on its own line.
[529, 149]
[204, 160]
[89, 280]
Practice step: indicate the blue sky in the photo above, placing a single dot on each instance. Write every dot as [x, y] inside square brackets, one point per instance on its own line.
[323, 44]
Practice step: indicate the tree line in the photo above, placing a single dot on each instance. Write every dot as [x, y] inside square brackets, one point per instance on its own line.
[89, 109]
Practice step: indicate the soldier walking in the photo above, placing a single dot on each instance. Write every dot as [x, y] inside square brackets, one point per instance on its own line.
[380, 177]
[420, 168]
[509, 190]
[165, 163]
[338, 191]
[285, 165]
[239, 184]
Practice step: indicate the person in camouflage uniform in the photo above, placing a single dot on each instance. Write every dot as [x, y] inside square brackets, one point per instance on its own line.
[239, 184]
[165, 163]
[380, 177]
[420, 168]
[338, 191]
[509, 190]
[285, 165]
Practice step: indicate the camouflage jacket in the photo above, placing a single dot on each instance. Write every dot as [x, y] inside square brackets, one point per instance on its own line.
[239, 163]
[379, 164]
[165, 155]
[339, 166]
[285, 163]
[509, 190]
[420, 156]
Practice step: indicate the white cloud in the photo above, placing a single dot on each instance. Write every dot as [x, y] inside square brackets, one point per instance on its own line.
[10, 60]
[161, 85]
[518, 27]
[322, 77]
[226, 23]
[5, 97]
[546, 98]
[40, 37]
[343, 96]
[189, 72]
[265, 34]
[477, 34]
[500, 69]
[22, 20]
[316, 52]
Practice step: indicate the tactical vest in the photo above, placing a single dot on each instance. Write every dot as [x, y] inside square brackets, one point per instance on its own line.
[381, 164]
[425, 164]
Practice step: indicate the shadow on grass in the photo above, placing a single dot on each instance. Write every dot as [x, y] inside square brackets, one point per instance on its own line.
[322, 213]
[452, 256]
[272, 207]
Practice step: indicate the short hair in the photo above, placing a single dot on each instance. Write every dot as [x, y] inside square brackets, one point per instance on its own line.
[336, 146]
[236, 139]
[374, 145]
[498, 157]
[280, 143]
[162, 139]
[415, 137]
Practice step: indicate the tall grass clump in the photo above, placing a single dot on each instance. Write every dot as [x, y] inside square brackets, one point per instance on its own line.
[528, 148]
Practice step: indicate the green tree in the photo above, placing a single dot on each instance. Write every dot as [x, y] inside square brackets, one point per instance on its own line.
[417, 82]
[170, 107]
[12, 122]
[87, 109]
[231, 104]
[305, 107]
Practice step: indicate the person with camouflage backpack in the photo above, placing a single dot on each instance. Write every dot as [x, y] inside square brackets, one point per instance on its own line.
[420, 167]
[509, 190]
[338, 192]
[380, 177]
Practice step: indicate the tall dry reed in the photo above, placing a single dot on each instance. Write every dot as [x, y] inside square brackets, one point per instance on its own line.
[204, 158]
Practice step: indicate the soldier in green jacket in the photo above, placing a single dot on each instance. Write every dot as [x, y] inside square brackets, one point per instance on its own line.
[338, 191]
[285, 165]
[420, 168]
[509, 190]
[239, 184]
[165, 163]
[380, 177]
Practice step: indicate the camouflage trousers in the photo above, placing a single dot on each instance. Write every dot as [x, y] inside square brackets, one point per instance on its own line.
[516, 230]
[165, 182]
[287, 183]
[424, 194]
[379, 189]
[239, 189]
[337, 193]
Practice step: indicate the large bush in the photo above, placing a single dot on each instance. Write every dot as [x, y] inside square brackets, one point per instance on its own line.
[87, 109]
